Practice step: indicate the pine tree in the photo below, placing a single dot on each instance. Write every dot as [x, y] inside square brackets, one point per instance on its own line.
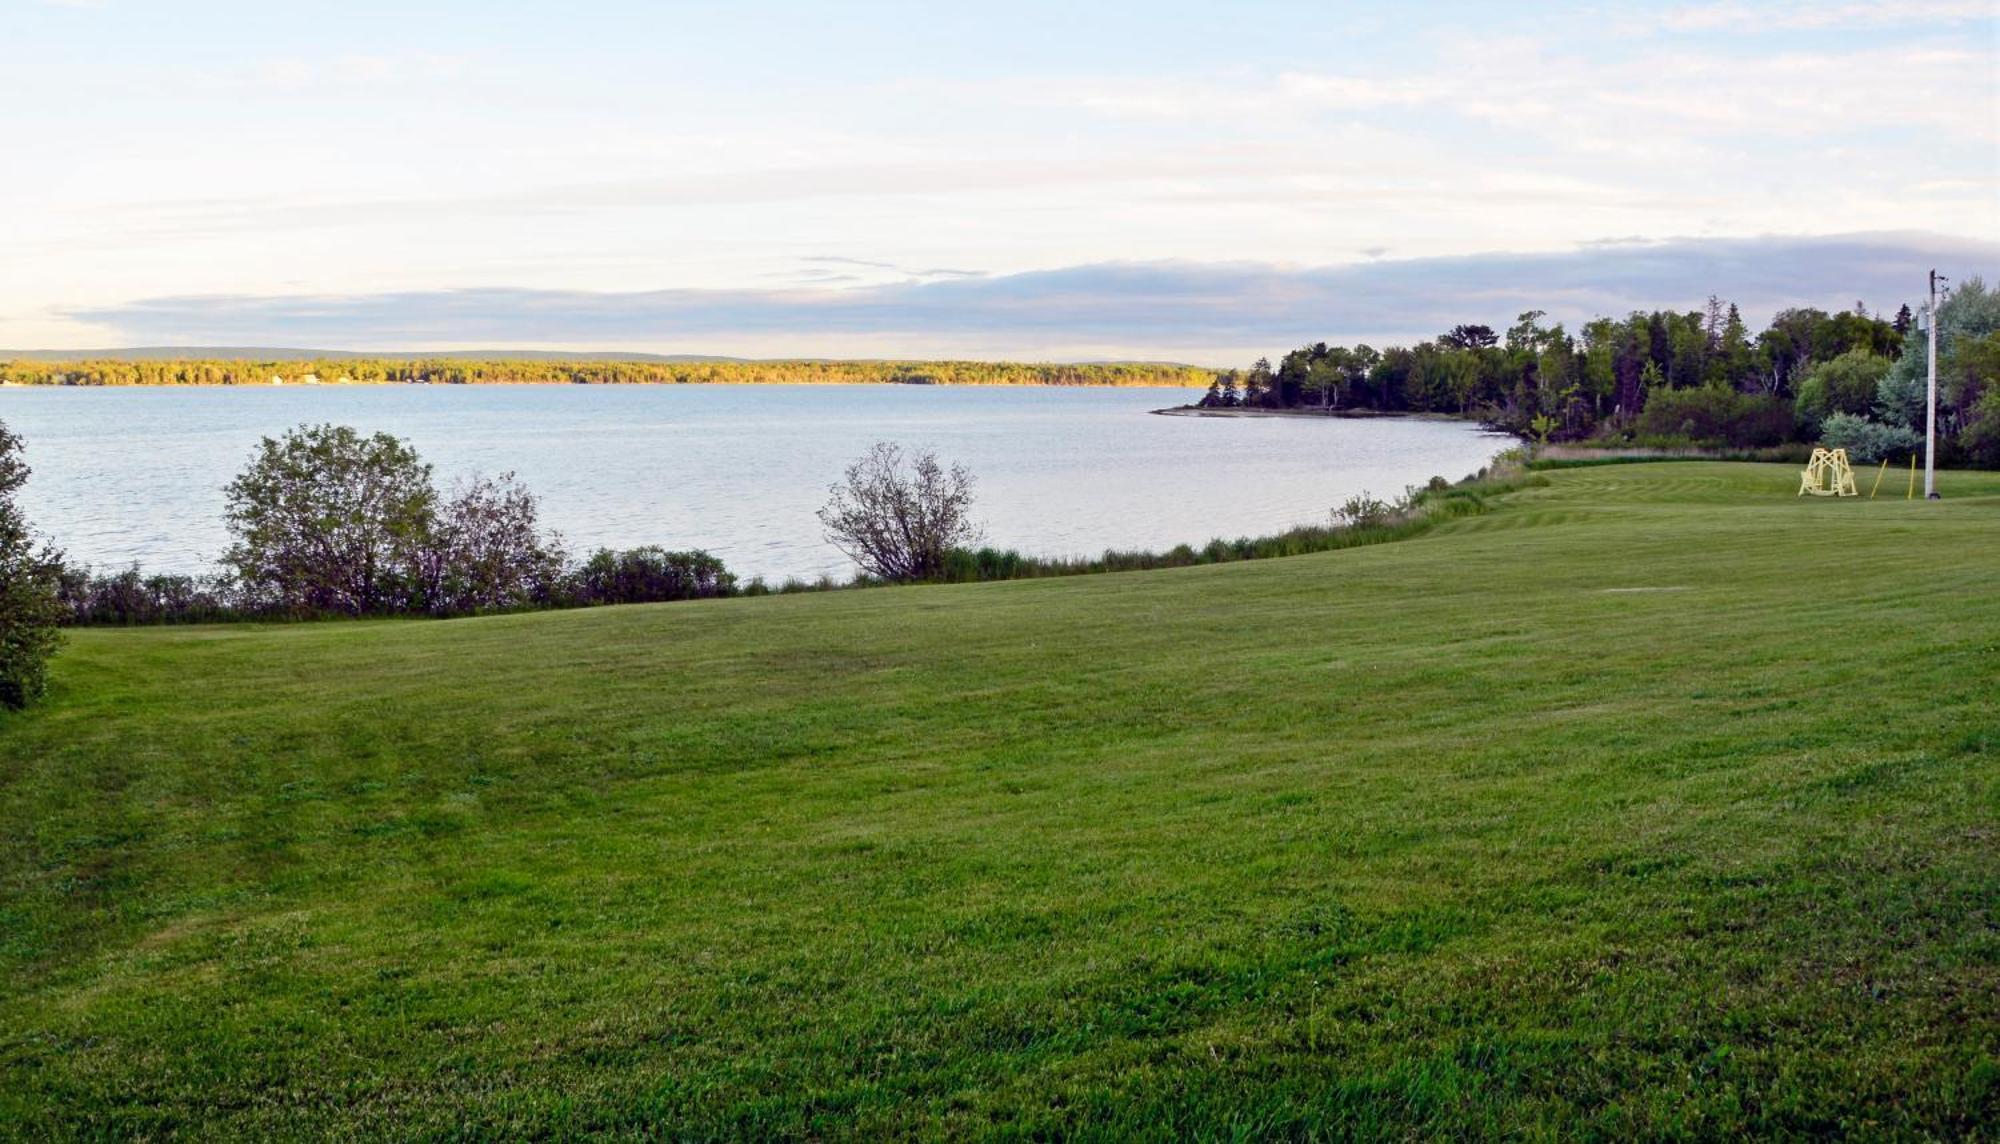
[1257, 384]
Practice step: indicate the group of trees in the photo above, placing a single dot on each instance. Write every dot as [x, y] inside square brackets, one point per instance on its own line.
[1851, 378]
[473, 371]
[326, 521]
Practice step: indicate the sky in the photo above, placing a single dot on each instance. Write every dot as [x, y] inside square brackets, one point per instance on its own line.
[1197, 182]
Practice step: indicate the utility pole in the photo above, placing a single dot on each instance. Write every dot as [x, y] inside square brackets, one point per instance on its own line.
[1930, 398]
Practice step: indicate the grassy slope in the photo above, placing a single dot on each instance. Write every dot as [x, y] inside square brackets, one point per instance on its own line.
[1476, 832]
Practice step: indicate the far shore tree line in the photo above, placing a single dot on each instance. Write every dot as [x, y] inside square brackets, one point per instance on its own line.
[477, 371]
[1698, 378]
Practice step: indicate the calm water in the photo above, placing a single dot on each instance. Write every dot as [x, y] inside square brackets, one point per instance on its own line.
[137, 474]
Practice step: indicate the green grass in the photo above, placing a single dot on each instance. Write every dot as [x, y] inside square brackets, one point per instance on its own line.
[1656, 803]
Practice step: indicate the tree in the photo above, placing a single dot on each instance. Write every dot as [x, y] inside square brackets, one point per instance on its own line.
[1868, 441]
[29, 605]
[326, 520]
[1969, 313]
[1734, 362]
[1846, 384]
[485, 551]
[899, 520]
[1464, 337]
[1358, 370]
[1259, 383]
[1324, 379]
[1221, 391]
[1227, 388]
[1295, 379]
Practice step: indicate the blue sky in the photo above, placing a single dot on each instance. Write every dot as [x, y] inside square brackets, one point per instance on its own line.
[1204, 182]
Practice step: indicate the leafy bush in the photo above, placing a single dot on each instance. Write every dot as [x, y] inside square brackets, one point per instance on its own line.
[647, 575]
[485, 552]
[1717, 414]
[1363, 511]
[29, 607]
[1846, 384]
[899, 521]
[1868, 441]
[129, 597]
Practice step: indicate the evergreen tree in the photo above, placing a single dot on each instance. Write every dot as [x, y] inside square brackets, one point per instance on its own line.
[1258, 383]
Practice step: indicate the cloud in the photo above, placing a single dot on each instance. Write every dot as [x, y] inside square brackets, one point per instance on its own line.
[1902, 14]
[1149, 309]
[898, 268]
[344, 74]
[1662, 103]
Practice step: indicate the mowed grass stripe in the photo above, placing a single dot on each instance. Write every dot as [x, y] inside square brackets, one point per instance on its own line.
[1435, 836]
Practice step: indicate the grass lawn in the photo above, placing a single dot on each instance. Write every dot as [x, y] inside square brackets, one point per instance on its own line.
[1655, 803]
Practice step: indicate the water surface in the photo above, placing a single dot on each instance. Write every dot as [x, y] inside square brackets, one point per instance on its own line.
[125, 475]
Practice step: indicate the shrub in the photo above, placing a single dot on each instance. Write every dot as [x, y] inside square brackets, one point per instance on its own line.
[1868, 441]
[898, 521]
[484, 551]
[647, 575]
[1717, 414]
[29, 574]
[130, 597]
[1846, 384]
[1363, 511]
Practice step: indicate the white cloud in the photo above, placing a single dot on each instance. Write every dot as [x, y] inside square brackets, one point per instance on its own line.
[370, 73]
[1588, 99]
[1906, 14]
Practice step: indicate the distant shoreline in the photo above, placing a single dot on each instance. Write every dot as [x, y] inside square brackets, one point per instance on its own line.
[168, 373]
[662, 384]
[1317, 414]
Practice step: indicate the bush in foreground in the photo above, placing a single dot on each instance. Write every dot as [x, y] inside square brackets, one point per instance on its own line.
[329, 522]
[29, 609]
[646, 576]
[898, 520]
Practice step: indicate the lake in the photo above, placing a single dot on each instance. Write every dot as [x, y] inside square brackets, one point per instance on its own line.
[125, 475]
